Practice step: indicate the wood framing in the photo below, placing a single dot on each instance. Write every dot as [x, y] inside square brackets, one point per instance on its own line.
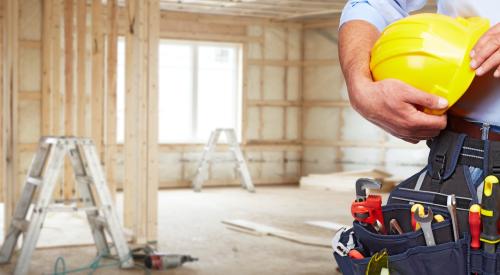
[141, 126]
[10, 159]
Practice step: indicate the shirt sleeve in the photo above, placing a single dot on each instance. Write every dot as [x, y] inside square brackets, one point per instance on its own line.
[380, 13]
[362, 10]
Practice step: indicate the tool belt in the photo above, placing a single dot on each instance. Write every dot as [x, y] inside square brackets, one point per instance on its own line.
[447, 173]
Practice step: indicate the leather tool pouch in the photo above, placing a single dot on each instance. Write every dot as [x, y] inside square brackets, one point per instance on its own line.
[447, 173]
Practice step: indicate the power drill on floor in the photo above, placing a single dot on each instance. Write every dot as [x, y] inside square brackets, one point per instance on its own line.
[160, 261]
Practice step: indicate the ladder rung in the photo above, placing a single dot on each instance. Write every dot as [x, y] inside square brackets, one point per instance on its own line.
[99, 221]
[34, 180]
[84, 179]
[21, 224]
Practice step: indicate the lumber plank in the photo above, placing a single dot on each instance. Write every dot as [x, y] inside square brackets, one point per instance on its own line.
[69, 184]
[111, 115]
[81, 23]
[97, 97]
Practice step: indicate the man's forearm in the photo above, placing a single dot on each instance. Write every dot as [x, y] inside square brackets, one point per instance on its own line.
[356, 39]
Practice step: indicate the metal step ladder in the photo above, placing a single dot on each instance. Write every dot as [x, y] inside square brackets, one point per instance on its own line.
[42, 179]
[234, 147]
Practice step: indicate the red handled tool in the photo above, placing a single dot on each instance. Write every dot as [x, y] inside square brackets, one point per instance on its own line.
[368, 209]
[475, 226]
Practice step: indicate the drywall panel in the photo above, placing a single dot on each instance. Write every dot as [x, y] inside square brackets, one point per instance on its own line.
[252, 130]
[321, 123]
[272, 119]
[320, 44]
[253, 82]
[191, 160]
[274, 84]
[344, 94]
[30, 20]
[293, 84]
[294, 44]
[357, 128]
[292, 130]
[319, 160]
[30, 67]
[272, 166]
[323, 83]
[29, 121]
[274, 47]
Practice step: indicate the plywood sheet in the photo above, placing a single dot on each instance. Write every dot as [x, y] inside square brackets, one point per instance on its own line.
[294, 44]
[252, 130]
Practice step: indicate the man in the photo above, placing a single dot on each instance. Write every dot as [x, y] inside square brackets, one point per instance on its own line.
[396, 106]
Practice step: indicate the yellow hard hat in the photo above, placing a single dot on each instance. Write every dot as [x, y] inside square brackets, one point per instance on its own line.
[431, 52]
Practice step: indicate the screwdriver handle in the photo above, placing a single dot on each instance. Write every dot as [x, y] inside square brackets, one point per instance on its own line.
[489, 214]
[475, 226]
[414, 208]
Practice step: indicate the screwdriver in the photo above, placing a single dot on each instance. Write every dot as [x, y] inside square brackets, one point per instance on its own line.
[475, 226]
[489, 214]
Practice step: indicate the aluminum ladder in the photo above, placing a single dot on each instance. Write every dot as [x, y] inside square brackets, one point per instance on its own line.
[42, 179]
[234, 147]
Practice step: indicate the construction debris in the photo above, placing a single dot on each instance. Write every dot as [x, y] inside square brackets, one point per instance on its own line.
[345, 181]
[266, 230]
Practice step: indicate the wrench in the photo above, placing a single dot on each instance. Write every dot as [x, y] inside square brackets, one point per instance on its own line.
[451, 204]
[426, 225]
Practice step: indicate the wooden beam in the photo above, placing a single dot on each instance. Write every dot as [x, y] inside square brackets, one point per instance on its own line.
[152, 139]
[69, 121]
[47, 68]
[97, 93]
[140, 124]
[10, 157]
[110, 140]
[81, 25]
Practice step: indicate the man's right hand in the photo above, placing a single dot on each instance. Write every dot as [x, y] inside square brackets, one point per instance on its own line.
[397, 108]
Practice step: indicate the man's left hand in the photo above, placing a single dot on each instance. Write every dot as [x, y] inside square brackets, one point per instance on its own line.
[486, 54]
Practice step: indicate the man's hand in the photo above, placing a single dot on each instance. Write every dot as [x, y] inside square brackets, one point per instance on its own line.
[486, 54]
[397, 108]
[390, 104]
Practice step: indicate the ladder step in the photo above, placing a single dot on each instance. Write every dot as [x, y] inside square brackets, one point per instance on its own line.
[99, 221]
[34, 180]
[84, 179]
[22, 225]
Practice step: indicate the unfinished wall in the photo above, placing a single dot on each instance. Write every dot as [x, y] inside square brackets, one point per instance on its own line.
[336, 137]
[271, 101]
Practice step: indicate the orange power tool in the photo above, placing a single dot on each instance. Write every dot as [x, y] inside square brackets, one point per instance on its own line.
[368, 209]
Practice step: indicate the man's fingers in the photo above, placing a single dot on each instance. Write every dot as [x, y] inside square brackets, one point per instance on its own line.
[415, 96]
[497, 72]
[485, 47]
[491, 62]
[429, 122]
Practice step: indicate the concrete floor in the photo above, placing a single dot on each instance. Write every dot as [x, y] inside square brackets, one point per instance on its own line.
[191, 223]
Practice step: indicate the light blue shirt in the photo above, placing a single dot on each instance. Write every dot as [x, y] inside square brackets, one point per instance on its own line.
[481, 102]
